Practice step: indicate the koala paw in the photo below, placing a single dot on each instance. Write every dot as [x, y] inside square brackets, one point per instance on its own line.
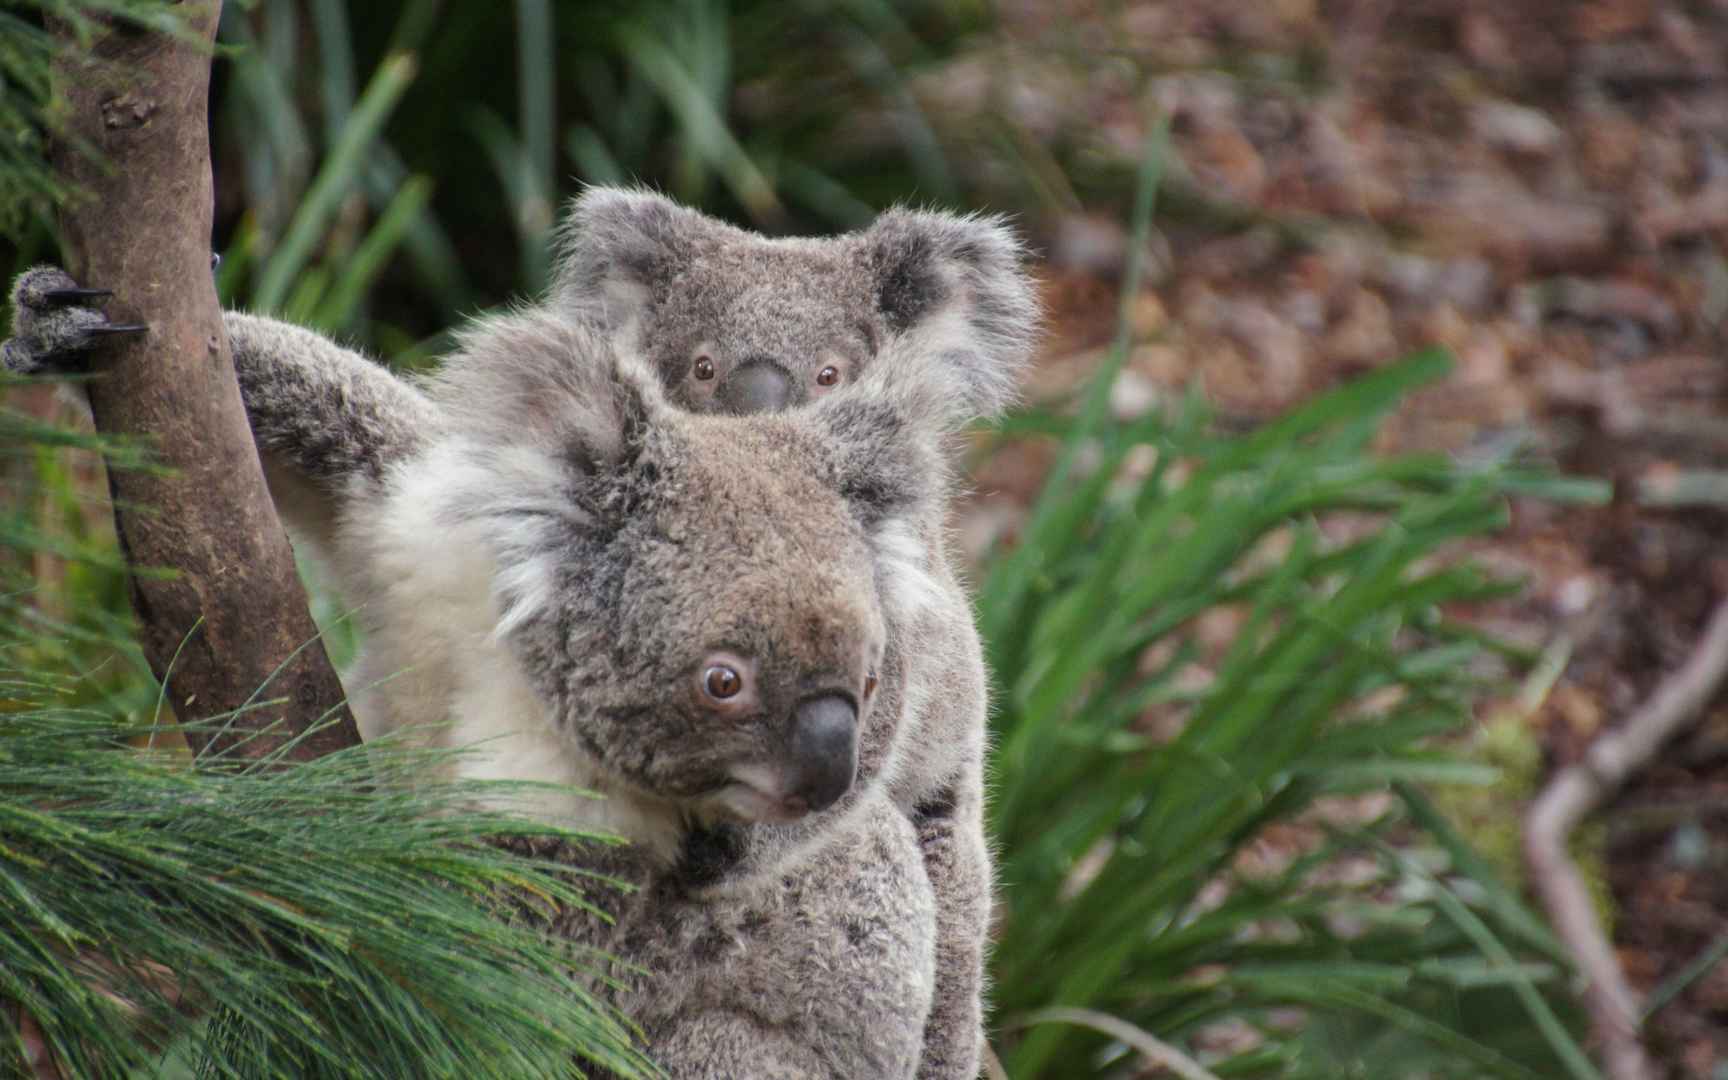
[55, 324]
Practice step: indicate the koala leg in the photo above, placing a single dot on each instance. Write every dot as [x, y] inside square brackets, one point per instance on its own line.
[951, 834]
[821, 972]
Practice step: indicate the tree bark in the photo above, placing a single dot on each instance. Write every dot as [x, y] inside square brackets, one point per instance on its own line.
[231, 630]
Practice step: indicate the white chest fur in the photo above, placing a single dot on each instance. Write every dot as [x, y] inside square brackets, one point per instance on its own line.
[434, 666]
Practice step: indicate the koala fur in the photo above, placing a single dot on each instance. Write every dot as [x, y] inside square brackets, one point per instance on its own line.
[543, 539]
[627, 544]
[681, 288]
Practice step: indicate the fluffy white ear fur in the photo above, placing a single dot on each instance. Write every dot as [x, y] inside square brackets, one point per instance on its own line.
[614, 241]
[538, 377]
[425, 569]
[955, 292]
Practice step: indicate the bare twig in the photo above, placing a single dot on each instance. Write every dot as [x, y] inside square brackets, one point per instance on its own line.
[1612, 1006]
[1150, 1047]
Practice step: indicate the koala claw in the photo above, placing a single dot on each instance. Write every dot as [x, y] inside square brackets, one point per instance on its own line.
[55, 324]
[74, 295]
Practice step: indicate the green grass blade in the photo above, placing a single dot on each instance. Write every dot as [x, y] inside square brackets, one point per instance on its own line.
[334, 181]
[342, 302]
[536, 95]
[700, 120]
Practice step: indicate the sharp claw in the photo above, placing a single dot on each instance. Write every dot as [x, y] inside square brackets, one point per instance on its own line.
[74, 295]
[116, 331]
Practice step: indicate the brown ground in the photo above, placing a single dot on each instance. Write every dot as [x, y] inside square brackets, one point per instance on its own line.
[1540, 186]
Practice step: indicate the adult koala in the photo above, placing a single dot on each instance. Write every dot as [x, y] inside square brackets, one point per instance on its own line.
[741, 323]
[920, 321]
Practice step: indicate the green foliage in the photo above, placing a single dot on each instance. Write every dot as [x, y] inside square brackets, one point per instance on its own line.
[751, 108]
[1167, 809]
[1141, 775]
[355, 911]
[347, 909]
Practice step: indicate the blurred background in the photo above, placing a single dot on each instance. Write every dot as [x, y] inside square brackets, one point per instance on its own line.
[1290, 614]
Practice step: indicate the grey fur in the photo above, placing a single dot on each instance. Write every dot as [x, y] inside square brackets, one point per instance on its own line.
[49, 336]
[942, 294]
[677, 284]
[618, 535]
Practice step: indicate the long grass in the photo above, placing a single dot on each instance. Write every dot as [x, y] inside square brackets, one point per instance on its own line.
[1140, 770]
[357, 911]
[1161, 798]
[348, 910]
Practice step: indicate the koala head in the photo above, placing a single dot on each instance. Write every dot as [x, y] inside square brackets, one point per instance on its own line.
[702, 603]
[735, 322]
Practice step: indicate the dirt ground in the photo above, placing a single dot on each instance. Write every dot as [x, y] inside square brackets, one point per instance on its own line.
[1542, 187]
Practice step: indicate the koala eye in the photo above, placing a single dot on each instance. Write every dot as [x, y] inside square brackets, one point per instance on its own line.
[721, 682]
[704, 367]
[870, 685]
[828, 376]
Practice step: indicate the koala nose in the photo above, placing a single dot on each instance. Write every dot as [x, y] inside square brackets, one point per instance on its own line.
[758, 385]
[824, 748]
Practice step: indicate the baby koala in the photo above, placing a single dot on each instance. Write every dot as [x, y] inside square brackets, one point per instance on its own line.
[738, 322]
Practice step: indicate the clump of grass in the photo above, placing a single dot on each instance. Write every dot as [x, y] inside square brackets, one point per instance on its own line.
[1137, 769]
[1163, 860]
[350, 911]
[351, 916]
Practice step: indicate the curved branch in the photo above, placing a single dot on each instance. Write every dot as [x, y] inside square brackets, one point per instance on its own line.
[1153, 1049]
[1580, 788]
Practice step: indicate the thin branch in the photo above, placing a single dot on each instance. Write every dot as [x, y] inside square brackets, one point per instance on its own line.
[1575, 791]
[1150, 1047]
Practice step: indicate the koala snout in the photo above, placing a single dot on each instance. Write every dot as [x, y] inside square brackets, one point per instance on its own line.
[758, 385]
[824, 751]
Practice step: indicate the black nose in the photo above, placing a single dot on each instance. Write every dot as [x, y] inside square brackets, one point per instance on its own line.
[824, 748]
[758, 385]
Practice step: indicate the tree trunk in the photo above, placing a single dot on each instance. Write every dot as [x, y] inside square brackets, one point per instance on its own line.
[230, 631]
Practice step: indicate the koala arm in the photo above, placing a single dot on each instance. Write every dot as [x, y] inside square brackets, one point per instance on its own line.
[950, 828]
[327, 420]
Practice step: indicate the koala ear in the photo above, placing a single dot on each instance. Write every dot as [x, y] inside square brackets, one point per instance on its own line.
[886, 462]
[531, 378]
[616, 245]
[955, 294]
